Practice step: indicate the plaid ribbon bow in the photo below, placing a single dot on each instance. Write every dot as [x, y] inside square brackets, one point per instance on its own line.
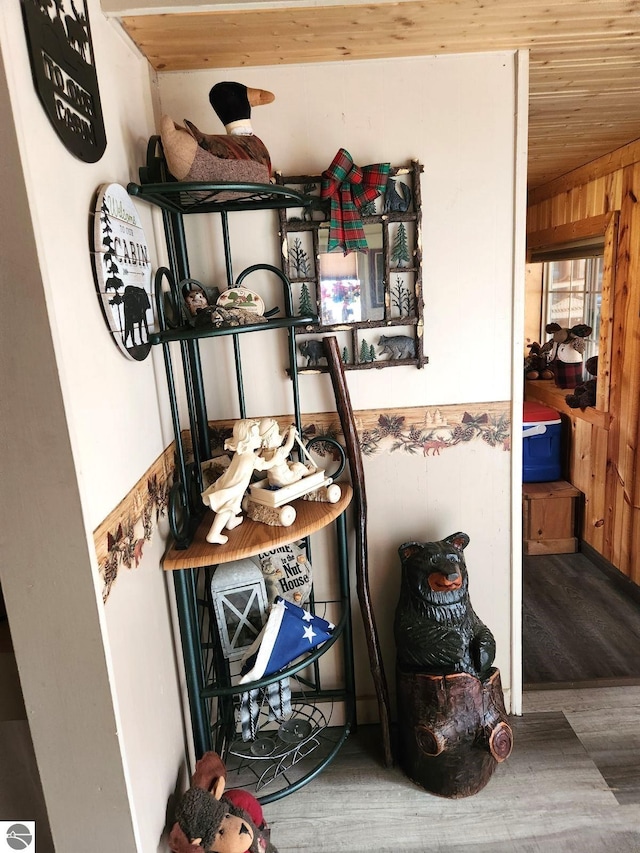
[349, 188]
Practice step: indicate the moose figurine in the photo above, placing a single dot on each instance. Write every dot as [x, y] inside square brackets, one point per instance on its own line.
[565, 352]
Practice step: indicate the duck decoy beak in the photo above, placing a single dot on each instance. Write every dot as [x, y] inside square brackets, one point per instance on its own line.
[258, 97]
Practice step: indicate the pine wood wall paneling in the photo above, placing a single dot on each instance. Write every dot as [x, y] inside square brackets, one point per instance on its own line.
[579, 455]
[629, 456]
[578, 205]
[624, 382]
[587, 472]
[609, 164]
[559, 209]
[613, 491]
[606, 313]
[595, 496]
[593, 193]
[613, 191]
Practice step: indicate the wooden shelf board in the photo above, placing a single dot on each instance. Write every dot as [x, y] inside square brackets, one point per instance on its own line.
[553, 489]
[253, 537]
[545, 391]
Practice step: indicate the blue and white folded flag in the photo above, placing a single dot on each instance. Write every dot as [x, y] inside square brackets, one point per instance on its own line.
[290, 631]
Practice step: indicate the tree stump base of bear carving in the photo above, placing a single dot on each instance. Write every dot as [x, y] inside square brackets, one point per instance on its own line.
[453, 730]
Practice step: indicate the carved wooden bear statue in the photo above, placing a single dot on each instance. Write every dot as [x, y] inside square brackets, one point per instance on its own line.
[452, 722]
[436, 628]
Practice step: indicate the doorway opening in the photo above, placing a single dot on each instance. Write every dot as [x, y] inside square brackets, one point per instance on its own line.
[580, 615]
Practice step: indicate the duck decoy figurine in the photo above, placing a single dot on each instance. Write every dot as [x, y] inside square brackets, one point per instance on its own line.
[238, 156]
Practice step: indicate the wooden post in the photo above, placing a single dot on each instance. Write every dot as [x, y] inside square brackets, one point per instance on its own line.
[453, 730]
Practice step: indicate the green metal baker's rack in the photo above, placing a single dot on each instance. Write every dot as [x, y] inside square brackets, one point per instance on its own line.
[282, 759]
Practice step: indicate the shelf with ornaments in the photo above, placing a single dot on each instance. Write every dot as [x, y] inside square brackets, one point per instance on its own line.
[286, 754]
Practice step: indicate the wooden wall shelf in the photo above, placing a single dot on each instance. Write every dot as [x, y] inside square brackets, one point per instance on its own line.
[545, 391]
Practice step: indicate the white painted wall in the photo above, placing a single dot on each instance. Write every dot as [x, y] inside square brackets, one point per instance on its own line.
[101, 685]
[453, 113]
[457, 115]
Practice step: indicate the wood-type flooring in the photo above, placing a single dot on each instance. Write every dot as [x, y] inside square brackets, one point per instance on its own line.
[581, 624]
[549, 796]
[571, 784]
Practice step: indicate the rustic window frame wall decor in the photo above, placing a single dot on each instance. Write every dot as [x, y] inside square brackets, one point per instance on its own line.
[400, 311]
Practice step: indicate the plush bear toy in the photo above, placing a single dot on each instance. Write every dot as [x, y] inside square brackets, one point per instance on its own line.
[208, 820]
[239, 156]
[585, 395]
[564, 352]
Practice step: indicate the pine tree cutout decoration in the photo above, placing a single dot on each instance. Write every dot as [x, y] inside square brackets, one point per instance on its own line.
[345, 355]
[372, 353]
[400, 252]
[305, 308]
[401, 298]
[299, 260]
[364, 352]
[113, 280]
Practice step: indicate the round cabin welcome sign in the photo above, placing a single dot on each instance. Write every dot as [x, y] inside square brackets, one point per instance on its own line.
[122, 270]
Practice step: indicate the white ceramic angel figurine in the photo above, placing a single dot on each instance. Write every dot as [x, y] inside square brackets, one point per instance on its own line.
[225, 495]
[281, 471]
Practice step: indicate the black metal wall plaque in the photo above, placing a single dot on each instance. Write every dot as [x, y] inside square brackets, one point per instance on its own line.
[64, 73]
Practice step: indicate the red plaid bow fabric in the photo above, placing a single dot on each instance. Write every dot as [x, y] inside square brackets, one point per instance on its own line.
[349, 188]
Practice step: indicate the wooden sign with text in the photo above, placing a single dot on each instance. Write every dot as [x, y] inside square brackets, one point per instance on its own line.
[122, 271]
[64, 73]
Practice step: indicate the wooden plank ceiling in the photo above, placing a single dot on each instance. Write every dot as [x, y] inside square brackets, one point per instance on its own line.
[584, 54]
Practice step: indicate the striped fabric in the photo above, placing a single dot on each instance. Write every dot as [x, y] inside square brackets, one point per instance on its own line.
[277, 696]
[349, 188]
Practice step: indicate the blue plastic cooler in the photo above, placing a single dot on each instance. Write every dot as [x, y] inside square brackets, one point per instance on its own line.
[541, 434]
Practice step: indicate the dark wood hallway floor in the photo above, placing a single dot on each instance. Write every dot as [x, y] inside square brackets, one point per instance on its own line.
[579, 625]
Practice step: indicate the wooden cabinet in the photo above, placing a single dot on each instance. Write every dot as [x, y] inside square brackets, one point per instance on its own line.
[549, 517]
[283, 754]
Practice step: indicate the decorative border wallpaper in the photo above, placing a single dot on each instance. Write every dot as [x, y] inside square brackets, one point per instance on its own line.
[119, 541]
